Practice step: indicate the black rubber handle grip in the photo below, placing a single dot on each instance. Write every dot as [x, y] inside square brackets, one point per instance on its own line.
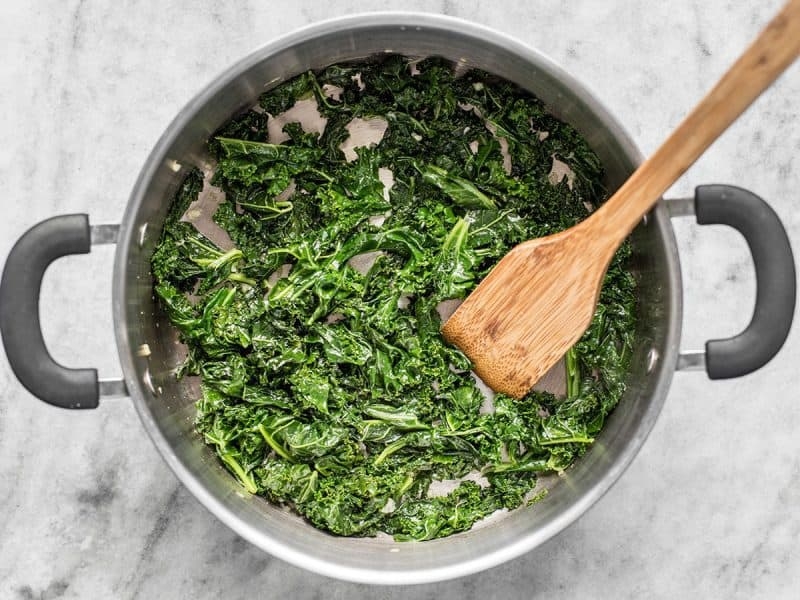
[775, 279]
[19, 313]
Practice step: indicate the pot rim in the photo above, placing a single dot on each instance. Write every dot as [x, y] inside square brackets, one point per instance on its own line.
[129, 235]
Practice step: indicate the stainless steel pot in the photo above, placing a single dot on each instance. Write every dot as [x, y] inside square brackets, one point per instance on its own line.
[149, 350]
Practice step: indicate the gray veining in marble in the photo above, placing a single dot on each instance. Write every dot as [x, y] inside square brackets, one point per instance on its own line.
[708, 509]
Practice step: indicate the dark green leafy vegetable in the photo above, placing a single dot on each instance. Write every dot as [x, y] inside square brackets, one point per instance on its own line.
[326, 386]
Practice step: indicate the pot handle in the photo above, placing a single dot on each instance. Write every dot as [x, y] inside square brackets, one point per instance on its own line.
[774, 265]
[19, 310]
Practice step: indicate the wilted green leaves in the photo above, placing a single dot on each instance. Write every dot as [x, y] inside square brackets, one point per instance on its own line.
[328, 387]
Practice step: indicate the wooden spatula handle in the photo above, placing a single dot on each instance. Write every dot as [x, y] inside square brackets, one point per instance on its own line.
[768, 56]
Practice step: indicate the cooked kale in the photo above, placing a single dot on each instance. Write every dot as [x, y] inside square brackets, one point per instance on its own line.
[329, 388]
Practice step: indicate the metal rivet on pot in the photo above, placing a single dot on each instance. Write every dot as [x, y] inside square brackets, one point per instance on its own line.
[142, 234]
[652, 359]
[148, 382]
[174, 165]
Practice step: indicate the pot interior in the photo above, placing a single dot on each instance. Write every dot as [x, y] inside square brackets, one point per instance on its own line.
[166, 405]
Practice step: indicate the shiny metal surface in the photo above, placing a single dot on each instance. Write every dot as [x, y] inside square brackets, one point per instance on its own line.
[680, 207]
[168, 413]
[112, 388]
[691, 361]
[104, 234]
[108, 234]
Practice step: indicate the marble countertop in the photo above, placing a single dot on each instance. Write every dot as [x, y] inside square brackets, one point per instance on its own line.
[709, 508]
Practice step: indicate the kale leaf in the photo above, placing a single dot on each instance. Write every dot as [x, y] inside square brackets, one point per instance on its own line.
[326, 385]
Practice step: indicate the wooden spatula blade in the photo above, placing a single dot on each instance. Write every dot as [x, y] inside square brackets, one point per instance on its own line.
[504, 336]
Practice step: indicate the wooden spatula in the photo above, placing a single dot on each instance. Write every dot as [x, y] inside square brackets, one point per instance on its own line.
[540, 298]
